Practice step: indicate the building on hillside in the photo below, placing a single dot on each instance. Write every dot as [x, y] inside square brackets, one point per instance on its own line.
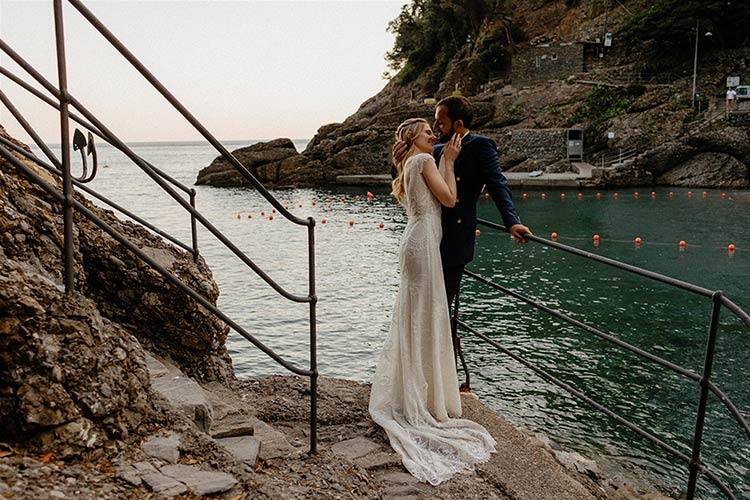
[540, 63]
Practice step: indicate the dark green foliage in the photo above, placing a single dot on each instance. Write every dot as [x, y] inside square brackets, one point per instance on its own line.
[430, 32]
[669, 26]
[494, 54]
[602, 104]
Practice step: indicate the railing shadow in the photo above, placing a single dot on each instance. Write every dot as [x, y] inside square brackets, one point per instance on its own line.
[63, 100]
[706, 385]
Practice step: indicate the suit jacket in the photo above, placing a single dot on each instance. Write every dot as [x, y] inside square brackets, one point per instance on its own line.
[477, 165]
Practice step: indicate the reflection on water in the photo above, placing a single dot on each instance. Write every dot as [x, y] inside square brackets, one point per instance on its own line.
[357, 276]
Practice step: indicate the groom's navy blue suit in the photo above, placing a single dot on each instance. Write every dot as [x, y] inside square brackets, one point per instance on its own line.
[477, 166]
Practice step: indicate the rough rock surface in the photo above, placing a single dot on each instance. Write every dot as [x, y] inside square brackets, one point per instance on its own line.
[263, 161]
[73, 369]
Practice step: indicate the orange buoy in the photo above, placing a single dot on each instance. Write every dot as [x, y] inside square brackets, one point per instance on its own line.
[704, 194]
[249, 216]
[479, 232]
[273, 211]
[616, 196]
[671, 194]
[238, 215]
[544, 196]
[300, 205]
[598, 196]
[596, 237]
[381, 225]
[286, 207]
[562, 196]
[323, 221]
[351, 222]
[690, 194]
[314, 203]
[554, 236]
[370, 195]
[731, 247]
[724, 195]
[653, 194]
[486, 195]
[329, 200]
[270, 217]
[637, 241]
[635, 195]
[580, 195]
[343, 198]
[262, 214]
[683, 244]
[524, 195]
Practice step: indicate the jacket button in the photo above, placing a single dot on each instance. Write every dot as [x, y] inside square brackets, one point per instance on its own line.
[458, 221]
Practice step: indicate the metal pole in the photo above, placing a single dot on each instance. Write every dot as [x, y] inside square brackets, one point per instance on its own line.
[695, 62]
[67, 178]
[313, 339]
[194, 226]
[705, 380]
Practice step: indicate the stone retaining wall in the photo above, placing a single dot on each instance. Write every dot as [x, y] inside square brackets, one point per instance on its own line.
[548, 144]
[537, 64]
[739, 119]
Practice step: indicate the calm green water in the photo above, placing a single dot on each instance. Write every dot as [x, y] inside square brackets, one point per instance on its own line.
[358, 275]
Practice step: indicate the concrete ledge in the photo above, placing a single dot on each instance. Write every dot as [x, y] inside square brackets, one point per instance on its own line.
[522, 179]
[364, 180]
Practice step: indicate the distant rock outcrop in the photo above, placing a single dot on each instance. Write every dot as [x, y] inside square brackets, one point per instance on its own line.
[263, 160]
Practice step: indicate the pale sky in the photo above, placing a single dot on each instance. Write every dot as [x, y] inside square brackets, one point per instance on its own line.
[246, 69]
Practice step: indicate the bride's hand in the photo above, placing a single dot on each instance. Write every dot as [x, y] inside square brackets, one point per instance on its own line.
[452, 148]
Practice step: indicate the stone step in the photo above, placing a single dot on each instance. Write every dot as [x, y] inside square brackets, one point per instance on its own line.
[181, 391]
[244, 449]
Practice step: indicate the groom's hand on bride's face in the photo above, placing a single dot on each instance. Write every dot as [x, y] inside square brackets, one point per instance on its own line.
[398, 151]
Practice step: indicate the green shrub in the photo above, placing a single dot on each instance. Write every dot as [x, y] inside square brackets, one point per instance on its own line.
[602, 104]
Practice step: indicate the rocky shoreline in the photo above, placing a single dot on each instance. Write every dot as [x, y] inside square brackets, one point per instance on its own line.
[258, 445]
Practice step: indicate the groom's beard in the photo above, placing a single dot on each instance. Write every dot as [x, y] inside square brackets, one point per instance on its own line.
[447, 136]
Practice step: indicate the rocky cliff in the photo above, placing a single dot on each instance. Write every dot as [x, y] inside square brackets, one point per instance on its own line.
[73, 369]
[557, 80]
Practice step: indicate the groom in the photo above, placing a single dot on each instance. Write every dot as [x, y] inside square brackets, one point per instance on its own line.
[477, 166]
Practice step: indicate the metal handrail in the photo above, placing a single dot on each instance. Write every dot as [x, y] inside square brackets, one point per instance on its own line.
[695, 465]
[69, 202]
[621, 156]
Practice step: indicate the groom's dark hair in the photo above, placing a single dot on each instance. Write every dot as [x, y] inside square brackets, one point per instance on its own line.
[459, 108]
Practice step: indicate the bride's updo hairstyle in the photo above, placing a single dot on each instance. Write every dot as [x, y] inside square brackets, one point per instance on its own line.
[407, 132]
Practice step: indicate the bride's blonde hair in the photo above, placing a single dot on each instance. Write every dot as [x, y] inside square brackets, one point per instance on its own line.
[407, 132]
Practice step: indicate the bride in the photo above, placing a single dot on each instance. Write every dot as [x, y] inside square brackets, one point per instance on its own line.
[415, 395]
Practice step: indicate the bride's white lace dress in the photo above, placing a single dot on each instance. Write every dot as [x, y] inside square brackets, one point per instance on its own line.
[415, 395]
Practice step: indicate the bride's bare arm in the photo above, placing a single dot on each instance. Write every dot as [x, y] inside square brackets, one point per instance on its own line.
[443, 189]
[442, 182]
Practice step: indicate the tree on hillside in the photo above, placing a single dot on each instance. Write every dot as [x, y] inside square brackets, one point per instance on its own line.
[668, 26]
[430, 32]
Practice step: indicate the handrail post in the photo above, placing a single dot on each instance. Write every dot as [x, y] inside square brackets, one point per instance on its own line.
[457, 352]
[313, 339]
[700, 418]
[194, 226]
[67, 179]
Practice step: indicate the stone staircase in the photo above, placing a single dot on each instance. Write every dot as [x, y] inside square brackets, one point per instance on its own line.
[246, 438]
